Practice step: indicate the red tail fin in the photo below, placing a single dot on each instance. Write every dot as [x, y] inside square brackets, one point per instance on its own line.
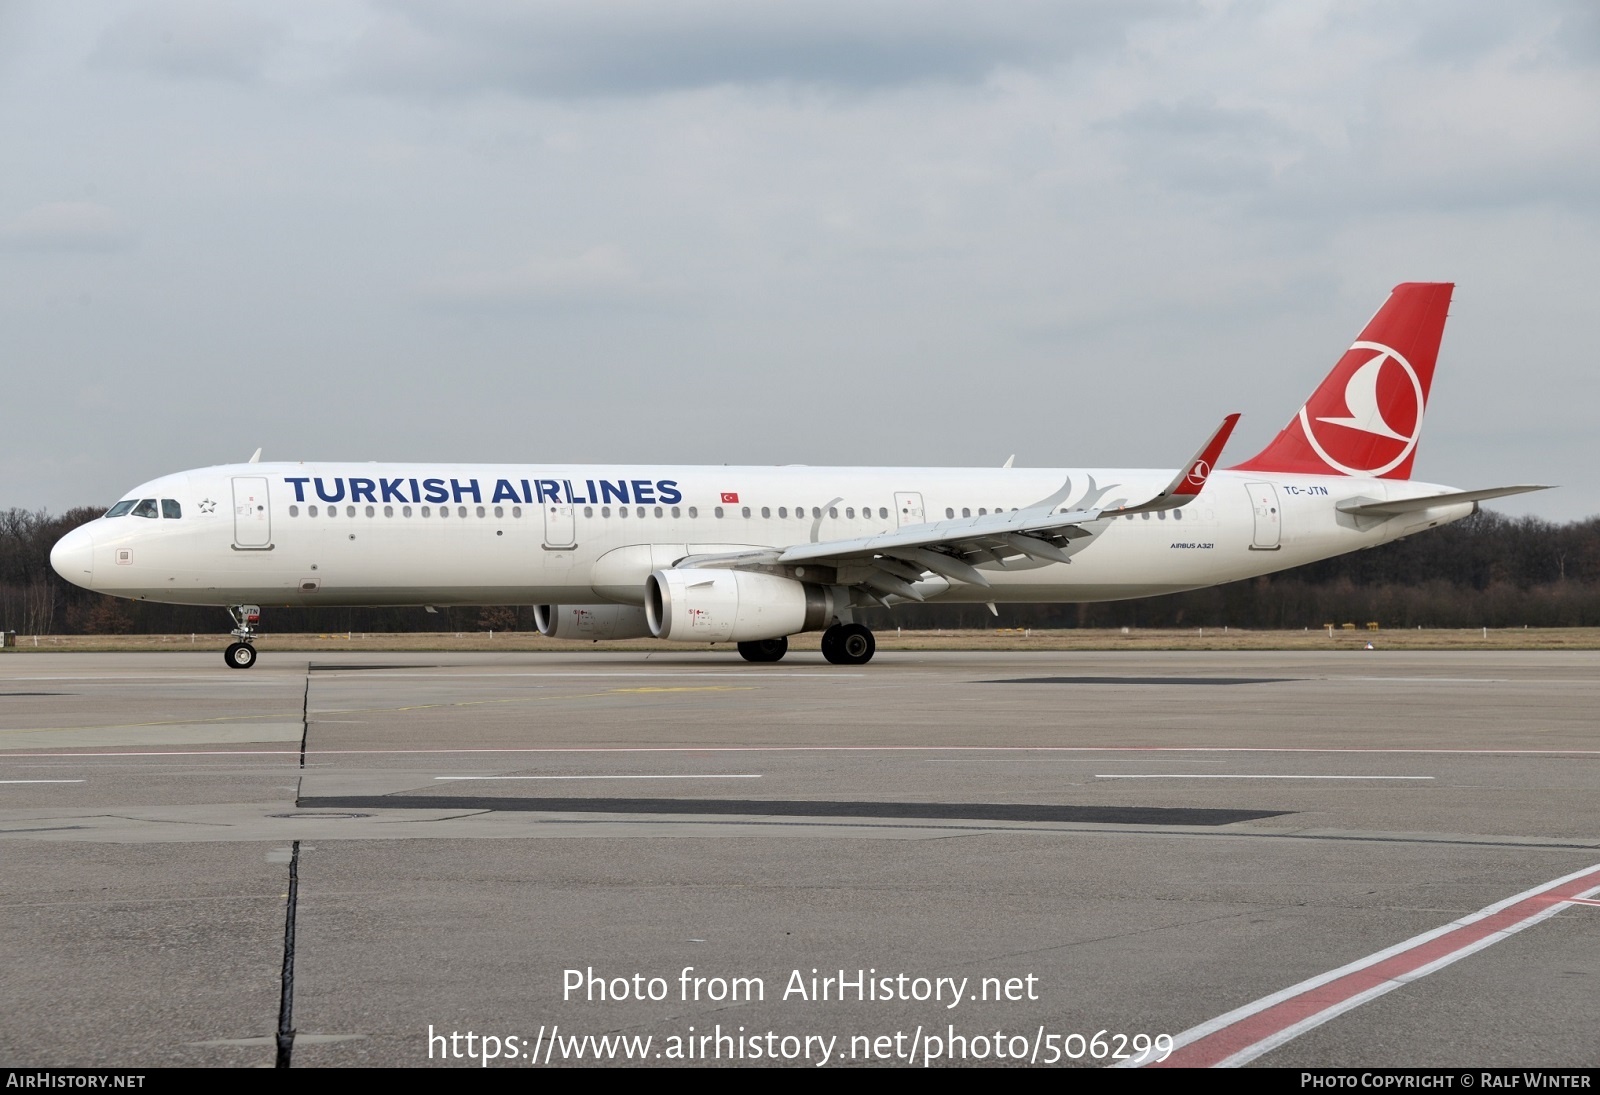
[1366, 416]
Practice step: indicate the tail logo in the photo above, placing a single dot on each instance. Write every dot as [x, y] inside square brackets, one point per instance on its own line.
[1382, 417]
[1197, 474]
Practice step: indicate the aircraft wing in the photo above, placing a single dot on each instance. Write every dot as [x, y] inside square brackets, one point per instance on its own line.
[1398, 506]
[891, 562]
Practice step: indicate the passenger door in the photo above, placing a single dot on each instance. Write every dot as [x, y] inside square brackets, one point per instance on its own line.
[560, 526]
[252, 514]
[1268, 531]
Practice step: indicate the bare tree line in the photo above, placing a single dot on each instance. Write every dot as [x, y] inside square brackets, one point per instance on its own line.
[1487, 571]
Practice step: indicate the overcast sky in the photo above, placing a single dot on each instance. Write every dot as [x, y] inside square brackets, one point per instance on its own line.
[706, 231]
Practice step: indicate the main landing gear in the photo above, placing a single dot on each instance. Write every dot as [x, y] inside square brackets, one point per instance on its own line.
[848, 644]
[242, 654]
[842, 644]
[764, 650]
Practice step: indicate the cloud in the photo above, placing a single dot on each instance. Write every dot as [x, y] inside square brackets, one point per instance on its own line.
[190, 39]
[601, 275]
[1364, 110]
[568, 48]
[1198, 145]
[66, 226]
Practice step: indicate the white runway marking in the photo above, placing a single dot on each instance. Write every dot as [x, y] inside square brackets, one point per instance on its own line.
[1432, 680]
[1062, 760]
[599, 777]
[1191, 775]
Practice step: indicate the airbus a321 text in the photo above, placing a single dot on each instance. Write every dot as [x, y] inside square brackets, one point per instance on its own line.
[752, 555]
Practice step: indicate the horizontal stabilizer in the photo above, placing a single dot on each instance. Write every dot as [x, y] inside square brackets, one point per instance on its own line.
[1411, 505]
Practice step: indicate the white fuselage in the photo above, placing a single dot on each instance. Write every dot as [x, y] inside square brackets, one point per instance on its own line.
[412, 534]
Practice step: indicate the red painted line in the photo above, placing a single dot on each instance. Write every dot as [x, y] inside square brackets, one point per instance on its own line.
[1245, 1034]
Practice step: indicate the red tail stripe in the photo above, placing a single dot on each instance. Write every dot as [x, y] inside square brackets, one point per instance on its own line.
[1365, 417]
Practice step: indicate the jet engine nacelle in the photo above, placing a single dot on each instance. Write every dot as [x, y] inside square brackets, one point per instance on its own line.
[591, 622]
[717, 606]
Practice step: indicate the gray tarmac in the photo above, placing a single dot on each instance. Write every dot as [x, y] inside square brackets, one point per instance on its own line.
[1154, 839]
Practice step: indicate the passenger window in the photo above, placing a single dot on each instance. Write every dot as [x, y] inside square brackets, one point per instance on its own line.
[694, 511]
[718, 511]
[850, 513]
[444, 511]
[588, 511]
[966, 511]
[816, 512]
[311, 511]
[426, 512]
[766, 512]
[349, 511]
[121, 507]
[833, 511]
[745, 511]
[405, 511]
[883, 513]
[145, 508]
[499, 511]
[639, 512]
[1146, 516]
[622, 511]
[516, 511]
[461, 511]
[982, 512]
[676, 512]
[1177, 515]
[480, 511]
[294, 511]
[372, 511]
[170, 509]
[658, 511]
[949, 511]
[783, 511]
[1162, 515]
[605, 511]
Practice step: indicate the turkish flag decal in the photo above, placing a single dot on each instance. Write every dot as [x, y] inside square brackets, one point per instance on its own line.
[730, 496]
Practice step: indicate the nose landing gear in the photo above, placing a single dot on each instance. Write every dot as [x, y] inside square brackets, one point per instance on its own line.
[242, 654]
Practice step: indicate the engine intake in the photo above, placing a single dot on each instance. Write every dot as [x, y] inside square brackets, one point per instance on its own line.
[593, 622]
[716, 606]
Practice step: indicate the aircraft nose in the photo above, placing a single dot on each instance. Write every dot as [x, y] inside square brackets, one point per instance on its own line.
[73, 557]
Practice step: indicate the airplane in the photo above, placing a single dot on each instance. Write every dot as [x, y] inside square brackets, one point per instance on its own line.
[753, 555]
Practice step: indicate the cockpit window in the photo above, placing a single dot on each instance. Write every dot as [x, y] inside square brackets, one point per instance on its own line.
[122, 507]
[170, 508]
[146, 508]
